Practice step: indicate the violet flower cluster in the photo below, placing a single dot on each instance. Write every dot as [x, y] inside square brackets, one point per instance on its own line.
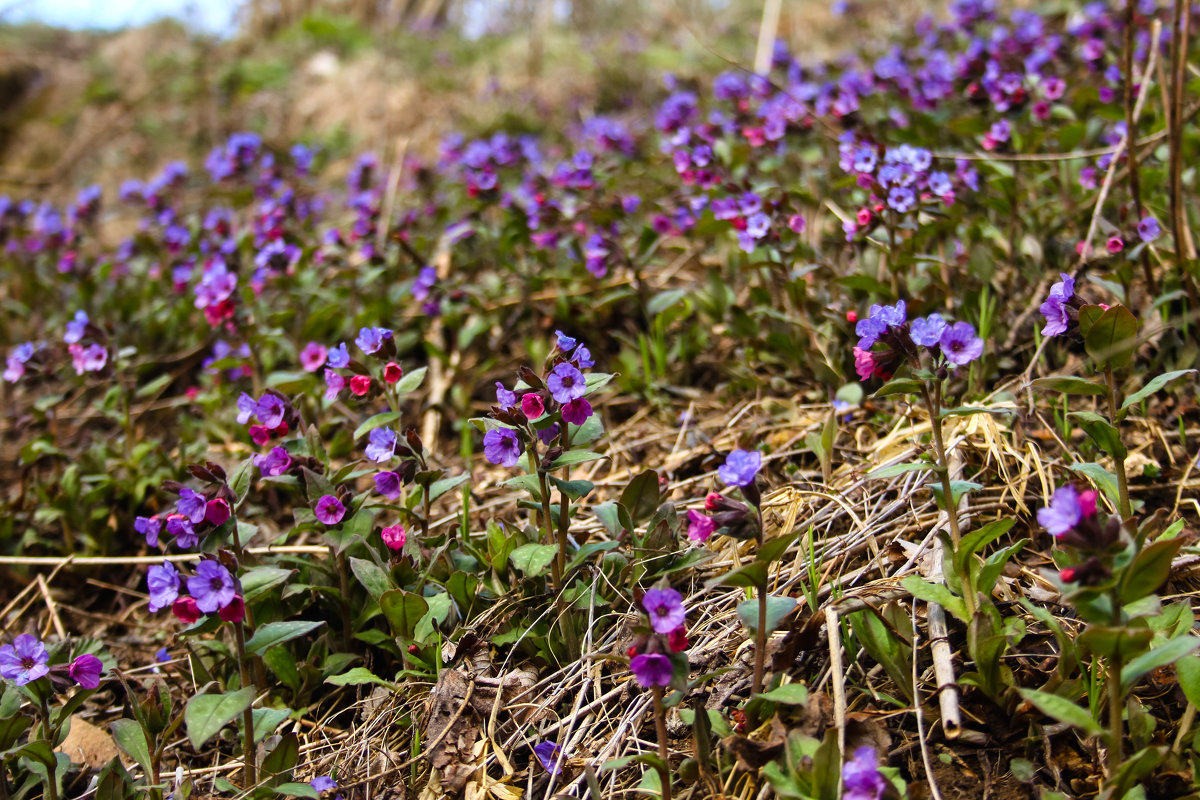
[887, 340]
[651, 653]
[212, 589]
[26, 660]
[542, 410]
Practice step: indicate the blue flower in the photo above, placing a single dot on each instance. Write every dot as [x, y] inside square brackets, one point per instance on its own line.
[382, 445]
[740, 468]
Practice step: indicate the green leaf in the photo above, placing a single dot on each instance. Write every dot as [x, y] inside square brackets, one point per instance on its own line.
[283, 757]
[410, 381]
[1063, 710]
[273, 633]
[1106, 437]
[1161, 656]
[403, 611]
[261, 579]
[533, 559]
[439, 488]
[208, 713]
[790, 694]
[642, 495]
[267, 720]
[614, 517]
[898, 469]
[1127, 642]
[1112, 338]
[1068, 384]
[753, 574]
[773, 549]
[1149, 570]
[1087, 318]
[922, 589]
[1188, 670]
[130, 737]
[357, 676]
[974, 541]
[777, 609]
[373, 579]
[1105, 480]
[572, 457]
[293, 789]
[957, 490]
[1153, 386]
[899, 386]
[573, 489]
[377, 421]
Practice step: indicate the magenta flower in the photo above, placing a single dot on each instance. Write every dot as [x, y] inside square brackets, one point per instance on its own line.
[394, 537]
[651, 669]
[330, 510]
[212, 587]
[665, 608]
[86, 671]
[700, 526]
[501, 447]
[270, 410]
[566, 383]
[864, 363]
[217, 511]
[532, 406]
[960, 345]
[577, 412]
[313, 356]
[740, 468]
[861, 778]
[275, 462]
[25, 660]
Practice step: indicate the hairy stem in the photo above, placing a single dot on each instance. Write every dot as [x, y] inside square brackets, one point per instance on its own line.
[1118, 460]
[933, 404]
[1135, 190]
[249, 776]
[660, 725]
[760, 642]
[1115, 727]
[52, 783]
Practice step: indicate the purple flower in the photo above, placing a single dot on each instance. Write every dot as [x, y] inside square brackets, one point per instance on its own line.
[148, 527]
[960, 344]
[665, 608]
[577, 412]
[334, 383]
[77, 327]
[1148, 229]
[1064, 512]
[211, 587]
[651, 669]
[163, 583]
[861, 778]
[504, 397]
[86, 671]
[191, 505]
[548, 754]
[382, 445]
[181, 528]
[313, 356]
[270, 410]
[928, 331]
[740, 468]
[501, 447]
[24, 660]
[583, 357]
[371, 339]
[88, 359]
[388, 484]
[323, 783]
[247, 407]
[700, 526]
[275, 462]
[339, 357]
[1054, 309]
[565, 343]
[566, 383]
[330, 510]
[902, 199]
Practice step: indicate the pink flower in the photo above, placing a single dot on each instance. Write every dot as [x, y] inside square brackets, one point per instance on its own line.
[360, 385]
[313, 356]
[864, 363]
[235, 611]
[700, 527]
[217, 511]
[392, 372]
[394, 537]
[86, 671]
[330, 510]
[185, 610]
[532, 406]
[576, 412]
[1115, 245]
